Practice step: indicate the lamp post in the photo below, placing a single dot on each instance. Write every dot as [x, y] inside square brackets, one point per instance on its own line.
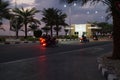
[70, 20]
[69, 12]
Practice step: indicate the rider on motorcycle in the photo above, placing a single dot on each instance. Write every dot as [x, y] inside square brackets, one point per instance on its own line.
[49, 40]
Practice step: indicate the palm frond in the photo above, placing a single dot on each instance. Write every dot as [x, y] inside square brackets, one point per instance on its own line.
[4, 10]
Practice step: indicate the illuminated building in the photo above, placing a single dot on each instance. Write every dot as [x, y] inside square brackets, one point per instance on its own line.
[86, 29]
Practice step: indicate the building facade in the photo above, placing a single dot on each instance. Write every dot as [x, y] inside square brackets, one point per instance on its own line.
[86, 29]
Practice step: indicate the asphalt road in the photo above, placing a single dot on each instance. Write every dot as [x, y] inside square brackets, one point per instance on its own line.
[22, 51]
[66, 62]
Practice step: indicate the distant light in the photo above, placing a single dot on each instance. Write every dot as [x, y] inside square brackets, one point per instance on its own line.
[88, 12]
[65, 6]
[75, 4]
[96, 12]
[94, 27]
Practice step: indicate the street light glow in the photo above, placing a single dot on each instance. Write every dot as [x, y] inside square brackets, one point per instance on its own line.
[96, 12]
[75, 4]
[70, 15]
[65, 6]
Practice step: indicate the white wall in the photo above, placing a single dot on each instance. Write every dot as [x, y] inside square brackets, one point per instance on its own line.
[80, 28]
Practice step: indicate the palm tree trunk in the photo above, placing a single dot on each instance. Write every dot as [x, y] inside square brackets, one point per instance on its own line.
[16, 34]
[25, 31]
[116, 35]
[46, 32]
[65, 33]
[51, 30]
[57, 31]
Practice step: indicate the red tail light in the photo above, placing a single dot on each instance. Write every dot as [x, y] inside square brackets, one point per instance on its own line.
[44, 44]
[42, 40]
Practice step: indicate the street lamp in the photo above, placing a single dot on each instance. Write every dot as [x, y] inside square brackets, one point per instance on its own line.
[65, 6]
[69, 12]
[96, 12]
[75, 4]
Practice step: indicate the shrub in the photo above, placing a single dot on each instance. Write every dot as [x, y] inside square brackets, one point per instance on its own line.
[32, 39]
[2, 39]
[37, 33]
[67, 37]
[74, 36]
[22, 39]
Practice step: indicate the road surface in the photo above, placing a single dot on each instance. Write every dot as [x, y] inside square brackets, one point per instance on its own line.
[66, 62]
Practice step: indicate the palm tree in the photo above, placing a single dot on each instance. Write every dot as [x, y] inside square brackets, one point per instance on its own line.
[4, 11]
[16, 24]
[114, 10]
[59, 21]
[53, 17]
[34, 24]
[106, 27]
[49, 17]
[33, 27]
[46, 29]
[57, 29]
[27, 15]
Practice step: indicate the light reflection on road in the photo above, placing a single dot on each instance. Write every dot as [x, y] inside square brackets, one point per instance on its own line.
[42, 58]
[43, 67]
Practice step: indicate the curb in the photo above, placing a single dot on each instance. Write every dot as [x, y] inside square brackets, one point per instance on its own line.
[108, 74]
[60, 40]
[17, 42]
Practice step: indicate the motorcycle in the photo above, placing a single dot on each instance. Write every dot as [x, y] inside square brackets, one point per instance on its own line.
[42, 41]
[84, 40]
[48, 42]
[95, 38]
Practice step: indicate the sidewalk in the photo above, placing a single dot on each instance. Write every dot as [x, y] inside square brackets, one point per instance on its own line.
[18, 42]
[110, 69]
